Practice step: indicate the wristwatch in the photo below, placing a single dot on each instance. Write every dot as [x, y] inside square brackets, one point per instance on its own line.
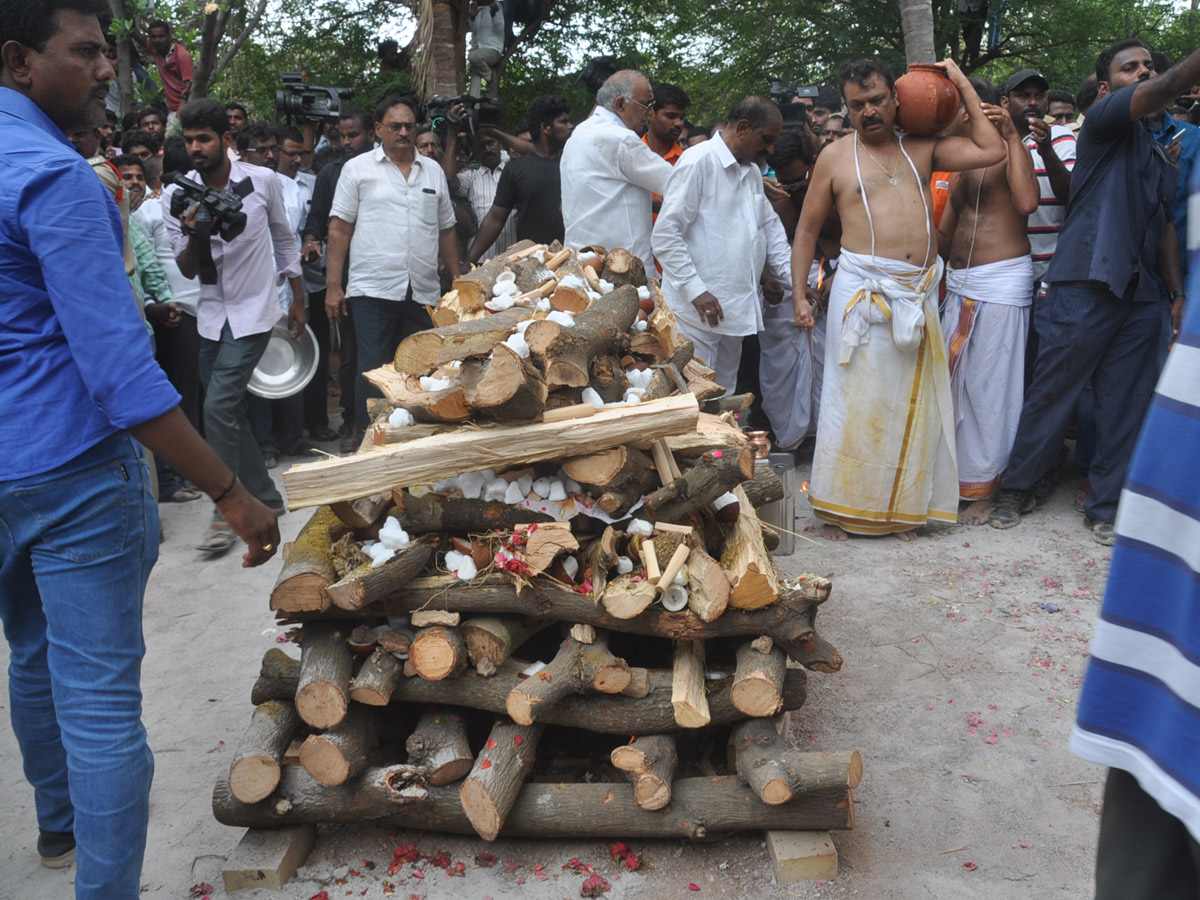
[1175, 295]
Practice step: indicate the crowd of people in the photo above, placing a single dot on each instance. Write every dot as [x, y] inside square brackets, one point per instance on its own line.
[937, 311]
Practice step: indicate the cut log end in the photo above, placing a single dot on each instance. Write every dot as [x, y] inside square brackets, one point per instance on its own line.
[323, 760]
[484, 815]
[650, 792]
[321, 705]
[254, 778]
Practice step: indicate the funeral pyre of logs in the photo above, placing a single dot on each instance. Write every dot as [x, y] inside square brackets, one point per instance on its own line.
[586, 638]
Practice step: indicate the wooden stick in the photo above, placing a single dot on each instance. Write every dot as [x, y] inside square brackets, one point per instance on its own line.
[341, 752]
[700, 808]
[676, 563]
[369, 583]
[662, 461]
[576, 668]
[650, 558]
[778, 773]
[758, 682]
[566, 413]
[426, 460]
[553, 262]
[650, 762]
[439, 746]
[500, 770]
[687, 686]
[377, 679]
[323, 693]
[257, 764]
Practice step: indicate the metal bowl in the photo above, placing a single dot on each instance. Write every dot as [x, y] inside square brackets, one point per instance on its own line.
[287, 365]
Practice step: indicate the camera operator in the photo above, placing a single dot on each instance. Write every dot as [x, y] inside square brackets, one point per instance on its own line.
[478, 183]
[236, 314]
[392, 212]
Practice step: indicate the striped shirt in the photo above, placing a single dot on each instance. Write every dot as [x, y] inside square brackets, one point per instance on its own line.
[1046, 221]
[479, 185]
[1140, 707]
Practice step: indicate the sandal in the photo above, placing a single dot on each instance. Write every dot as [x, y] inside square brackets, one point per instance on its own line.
[216, 539]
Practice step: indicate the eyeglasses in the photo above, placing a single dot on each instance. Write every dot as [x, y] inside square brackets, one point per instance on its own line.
[264, 151]
[397, 127]
[645, 106]
[792, 186]
[291, 154]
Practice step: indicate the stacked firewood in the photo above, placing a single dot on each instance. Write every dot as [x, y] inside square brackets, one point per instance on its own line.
[545, 547]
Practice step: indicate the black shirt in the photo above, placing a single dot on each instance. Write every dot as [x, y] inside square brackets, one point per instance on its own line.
[1122, 197]
[530, 184]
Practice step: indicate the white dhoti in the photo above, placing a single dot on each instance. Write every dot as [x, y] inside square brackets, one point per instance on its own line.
[785, 375]
[884, 460]
[985, 323]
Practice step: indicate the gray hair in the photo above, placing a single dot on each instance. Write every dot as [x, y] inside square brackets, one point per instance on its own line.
[619, 85]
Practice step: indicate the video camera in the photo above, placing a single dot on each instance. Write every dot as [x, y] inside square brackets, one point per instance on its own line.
[486, 112]
[308, 103]
[795, 115]
[220, 211]
[595, 73]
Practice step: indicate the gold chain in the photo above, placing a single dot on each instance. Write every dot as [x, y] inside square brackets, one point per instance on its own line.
[892, 174]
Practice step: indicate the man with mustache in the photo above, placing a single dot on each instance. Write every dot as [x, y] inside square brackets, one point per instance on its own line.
[478, 183]
[665, 124]
[884, 461]
[1100, 320]
[392, 213]
[80, 390]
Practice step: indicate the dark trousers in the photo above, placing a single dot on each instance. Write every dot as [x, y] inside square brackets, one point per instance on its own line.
[178, 352]
[1144, 853]
[316, 392]
[379, 327]
[347, 374]
[1087, 333]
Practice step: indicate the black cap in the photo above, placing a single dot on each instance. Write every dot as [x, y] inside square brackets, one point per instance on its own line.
[1023, 76]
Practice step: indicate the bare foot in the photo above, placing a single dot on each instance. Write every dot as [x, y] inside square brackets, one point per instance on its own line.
[907, 536]
[977, 513]
[833, 533]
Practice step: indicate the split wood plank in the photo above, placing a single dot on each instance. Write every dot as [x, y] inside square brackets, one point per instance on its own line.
[269, 857]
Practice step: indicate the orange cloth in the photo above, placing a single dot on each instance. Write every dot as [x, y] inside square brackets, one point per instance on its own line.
[939, 186]
[671, 156]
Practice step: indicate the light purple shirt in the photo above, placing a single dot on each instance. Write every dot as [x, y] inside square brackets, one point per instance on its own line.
[248, 266]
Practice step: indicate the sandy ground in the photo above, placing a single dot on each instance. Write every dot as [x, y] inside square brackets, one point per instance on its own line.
[964, 652]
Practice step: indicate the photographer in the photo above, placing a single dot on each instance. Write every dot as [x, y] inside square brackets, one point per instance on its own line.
[236, 314]
[478, 183]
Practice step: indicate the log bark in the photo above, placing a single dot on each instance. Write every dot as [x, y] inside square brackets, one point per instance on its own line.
[278, 678]
[687, 686]
[571, 294]
[367, 584]
[711, 433]
[363, 513]
[668, 379]
[708, 586]
[545, 542]
[609, 379]
[258, 762]
[610, 470]
[308, 568]
[650, 763]
[700, 808]
[789, 622]
[475, 287]
[531, 274]
[733, 403]
[504, 387]
[500, 771]
[494, 638]
[575, 669]
[438, 652]
[765, 487]
[424, 515]
[323, 693]
[340, 753]
[439, 746]
[622, 267]
[601, 556]
[448, 404]
[377, 679]
[751, 573]
[712, 475]
[427, 460]
[645, 708]
[758, 683]
[778, 773]
[565, 353]
[382, 433]
[421, 353]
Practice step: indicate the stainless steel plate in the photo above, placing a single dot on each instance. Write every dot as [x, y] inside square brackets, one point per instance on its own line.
[287, 365]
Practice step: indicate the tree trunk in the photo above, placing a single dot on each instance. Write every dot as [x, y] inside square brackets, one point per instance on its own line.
[758, 683]
[778, 772]
[500, 771]
[257, 764]
[751, 572]
[576, 668]
[439, 746]
[504, 387]
[622, 267]
[423, 515]
[363, 513]
[323, 692]
[494, 638]
[650, 762]
[687, 686]
[443, 51]
[446, 404]
[565, 353]
[341, 752]
[438, 652]
[421, 353]
[377, 679]
[708, 586]
[700, 808]
[308, 568]
[712, 475]
[369, 583]
[278, 678]
[916, 18]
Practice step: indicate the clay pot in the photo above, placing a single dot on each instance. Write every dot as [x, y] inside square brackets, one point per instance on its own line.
[927, 100]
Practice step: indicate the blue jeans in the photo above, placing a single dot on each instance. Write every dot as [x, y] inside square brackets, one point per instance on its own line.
[76, 548]
[1086, 333]
[225, 369]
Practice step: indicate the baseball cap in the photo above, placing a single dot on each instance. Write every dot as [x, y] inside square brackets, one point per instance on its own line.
[1023, 76]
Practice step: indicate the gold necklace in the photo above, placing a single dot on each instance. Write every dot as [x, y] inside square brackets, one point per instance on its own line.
[891, 176]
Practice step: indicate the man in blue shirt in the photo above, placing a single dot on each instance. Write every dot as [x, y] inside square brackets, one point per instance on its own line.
[1100, 320]
[78, 527]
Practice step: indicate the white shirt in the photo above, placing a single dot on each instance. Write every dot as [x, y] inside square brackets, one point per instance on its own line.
[396, 225]
[608, 175]
[185, 291]
[487, 31]
[480, 187]
[297, 211]
[714, 232]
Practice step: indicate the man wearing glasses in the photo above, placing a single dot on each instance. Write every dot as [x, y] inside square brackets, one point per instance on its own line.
[609, 174]
[392, 212]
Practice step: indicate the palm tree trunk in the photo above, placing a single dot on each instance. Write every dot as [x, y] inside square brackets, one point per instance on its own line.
[916, 18]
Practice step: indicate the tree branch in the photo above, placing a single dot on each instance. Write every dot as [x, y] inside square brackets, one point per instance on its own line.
[228, 55]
